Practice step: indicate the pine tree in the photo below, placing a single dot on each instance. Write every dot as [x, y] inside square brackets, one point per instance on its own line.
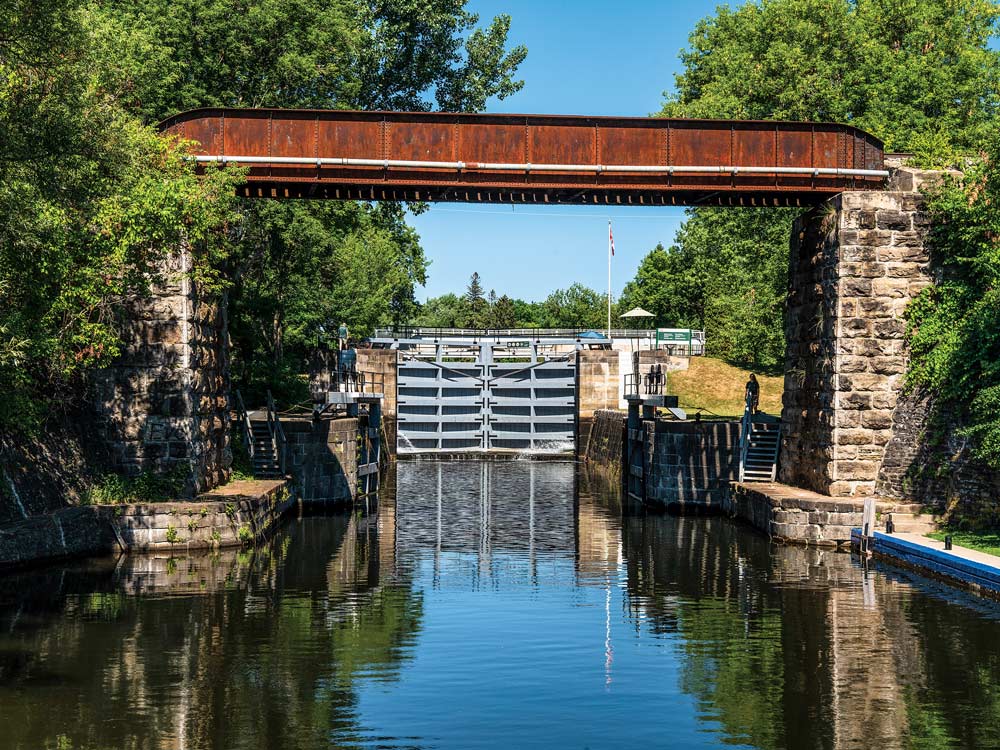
[476, 308]
[474, 291]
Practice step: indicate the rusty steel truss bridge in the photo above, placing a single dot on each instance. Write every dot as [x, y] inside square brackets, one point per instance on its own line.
[536, 159]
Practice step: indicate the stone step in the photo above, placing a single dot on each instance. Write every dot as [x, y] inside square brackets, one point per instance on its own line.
[909, 522]
[910, 509]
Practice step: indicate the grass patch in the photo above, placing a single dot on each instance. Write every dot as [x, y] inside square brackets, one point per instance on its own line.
[718, 387]
[115, 489]
[981, 541]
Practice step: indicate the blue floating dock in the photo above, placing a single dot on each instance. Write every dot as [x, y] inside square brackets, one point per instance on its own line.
[968, 568]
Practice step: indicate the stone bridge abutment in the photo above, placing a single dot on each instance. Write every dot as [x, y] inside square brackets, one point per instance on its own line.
[856, 262]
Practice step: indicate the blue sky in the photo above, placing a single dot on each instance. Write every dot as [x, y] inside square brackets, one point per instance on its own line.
[585, 57]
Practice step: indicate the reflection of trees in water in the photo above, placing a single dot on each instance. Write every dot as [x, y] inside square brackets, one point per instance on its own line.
[780, 647]
[798, 648]
[246, 649]
[701, 579]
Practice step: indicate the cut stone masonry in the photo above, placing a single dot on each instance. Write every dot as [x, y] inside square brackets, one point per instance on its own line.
[166, 401]
[855, 264]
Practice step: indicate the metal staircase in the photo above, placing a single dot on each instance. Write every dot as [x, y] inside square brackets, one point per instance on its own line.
[265, 456]
[265, 439]
[760, 440]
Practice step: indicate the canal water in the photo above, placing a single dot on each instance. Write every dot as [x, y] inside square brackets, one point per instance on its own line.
[508, 605]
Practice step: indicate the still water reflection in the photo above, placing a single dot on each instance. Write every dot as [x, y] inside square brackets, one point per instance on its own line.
[495, 605]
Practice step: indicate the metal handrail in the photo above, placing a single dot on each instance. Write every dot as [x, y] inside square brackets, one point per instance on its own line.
[358, 381]
[277, 433]
[244, 417]
[745, 426]
[651, 383]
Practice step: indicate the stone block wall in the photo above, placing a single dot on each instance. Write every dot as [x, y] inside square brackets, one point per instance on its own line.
[230, 516]
[597, 387]
[855, 263]
[165, 402]
[934, 466]
[690, 465]
[234, 515]
[606, 444]
[795, 516]
[322, 458]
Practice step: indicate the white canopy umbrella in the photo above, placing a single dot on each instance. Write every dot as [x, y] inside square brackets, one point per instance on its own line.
[637, 312]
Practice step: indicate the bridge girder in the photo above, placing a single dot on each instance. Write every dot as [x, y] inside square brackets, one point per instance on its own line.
[486, 158]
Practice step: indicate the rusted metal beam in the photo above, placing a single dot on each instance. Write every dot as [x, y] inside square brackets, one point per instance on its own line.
[558, 159]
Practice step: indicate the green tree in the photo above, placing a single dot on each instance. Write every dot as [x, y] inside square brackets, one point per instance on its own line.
[407, 49]
[504, 314]
[528, 314]
[298, 263]
[954, 326]
[446, 311]
[671, 284]
[474, 291]
[724, 276]
[476, 308]
[354, 54]
[578, 307]
[901, 70]
[918, 74]
[91, 204]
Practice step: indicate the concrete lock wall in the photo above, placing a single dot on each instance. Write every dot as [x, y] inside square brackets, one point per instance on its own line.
[856, 262]
[322, 457]
[165, 401]
[606, 445]
[690, 465]
[384, 363]
[597, 387]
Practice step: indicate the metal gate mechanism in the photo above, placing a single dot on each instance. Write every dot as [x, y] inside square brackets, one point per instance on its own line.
[486, 393]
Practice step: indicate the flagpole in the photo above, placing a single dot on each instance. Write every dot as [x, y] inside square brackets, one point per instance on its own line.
[609, 278]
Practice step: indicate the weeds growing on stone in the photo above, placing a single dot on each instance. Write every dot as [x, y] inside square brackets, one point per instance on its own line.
[147, 487]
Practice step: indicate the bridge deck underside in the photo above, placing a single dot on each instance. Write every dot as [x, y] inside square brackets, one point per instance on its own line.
[533, 159]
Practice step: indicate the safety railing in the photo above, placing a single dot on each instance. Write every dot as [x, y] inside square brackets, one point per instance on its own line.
[746, 424]
[651, 383]
[432, 332]
[349, 380]
[244, 419]
[277, 433]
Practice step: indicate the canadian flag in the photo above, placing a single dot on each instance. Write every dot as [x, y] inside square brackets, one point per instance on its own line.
[611, 239]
